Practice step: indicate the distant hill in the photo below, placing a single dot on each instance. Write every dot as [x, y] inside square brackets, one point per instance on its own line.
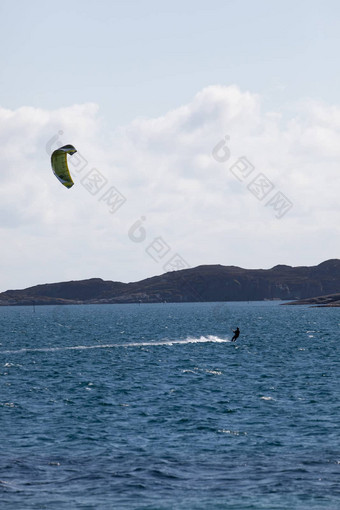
[203, 283]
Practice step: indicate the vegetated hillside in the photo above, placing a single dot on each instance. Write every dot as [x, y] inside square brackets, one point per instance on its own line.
[203, 283]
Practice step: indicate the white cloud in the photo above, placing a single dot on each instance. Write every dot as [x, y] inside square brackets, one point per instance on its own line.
[165, 169]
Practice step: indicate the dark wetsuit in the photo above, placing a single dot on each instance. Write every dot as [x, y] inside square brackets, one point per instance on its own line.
[236, 335]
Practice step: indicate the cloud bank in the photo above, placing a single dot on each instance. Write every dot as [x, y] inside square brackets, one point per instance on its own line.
[217, 180]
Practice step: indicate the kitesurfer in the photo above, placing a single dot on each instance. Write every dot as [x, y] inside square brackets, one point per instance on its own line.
[236, 334]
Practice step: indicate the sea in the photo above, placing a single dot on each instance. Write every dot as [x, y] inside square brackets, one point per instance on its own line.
[151, 406]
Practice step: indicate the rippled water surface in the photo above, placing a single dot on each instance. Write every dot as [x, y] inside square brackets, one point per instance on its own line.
[152, 407]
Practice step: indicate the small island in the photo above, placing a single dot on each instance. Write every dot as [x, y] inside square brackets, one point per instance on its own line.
[331, 300]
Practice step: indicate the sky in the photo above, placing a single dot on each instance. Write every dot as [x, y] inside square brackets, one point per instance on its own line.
[207, 133]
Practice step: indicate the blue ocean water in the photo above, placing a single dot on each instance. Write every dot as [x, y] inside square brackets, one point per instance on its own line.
[152, 407]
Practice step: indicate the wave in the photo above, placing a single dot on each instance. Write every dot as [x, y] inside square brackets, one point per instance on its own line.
[202, 339]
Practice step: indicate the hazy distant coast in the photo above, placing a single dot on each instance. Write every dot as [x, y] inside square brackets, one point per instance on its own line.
[204, 283]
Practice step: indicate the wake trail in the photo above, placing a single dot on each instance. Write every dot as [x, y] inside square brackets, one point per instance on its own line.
[202, 339]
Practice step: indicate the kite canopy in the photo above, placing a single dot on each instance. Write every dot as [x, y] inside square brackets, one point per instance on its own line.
[59, 164]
